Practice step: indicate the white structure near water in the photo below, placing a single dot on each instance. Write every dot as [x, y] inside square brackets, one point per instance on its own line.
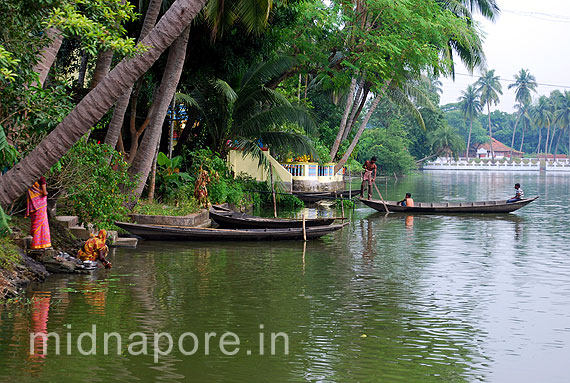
[297, 175]
[524, 164]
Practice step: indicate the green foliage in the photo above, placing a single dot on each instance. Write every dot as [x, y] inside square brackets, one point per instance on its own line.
[170, 178]
[389, 146]
[4, 223]
[88, 180]
[97, 23]
[9, 254]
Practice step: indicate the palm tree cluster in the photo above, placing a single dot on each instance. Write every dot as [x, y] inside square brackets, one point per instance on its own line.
[549, 115]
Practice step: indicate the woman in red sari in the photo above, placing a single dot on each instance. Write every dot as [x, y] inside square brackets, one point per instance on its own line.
[37, 210]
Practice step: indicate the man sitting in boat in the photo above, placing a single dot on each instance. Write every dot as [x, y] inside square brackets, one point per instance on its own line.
[407, 201]
[369, 167]
[519, 194]
[95, 249]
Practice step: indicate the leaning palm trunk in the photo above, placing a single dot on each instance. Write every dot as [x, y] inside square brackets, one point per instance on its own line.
[491, 132]
[48, 54]
[359, 100]
[469, 139]
[557, 142]
[347, 109]
[97, 102]
[142, 163]
[552, 138]
[102, 67]
[116, 124]
[522, 140]
[350, 149]
[547, 139]
[513, 140]
[539, 141]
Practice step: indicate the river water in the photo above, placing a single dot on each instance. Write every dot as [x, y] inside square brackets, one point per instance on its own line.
[389, 299]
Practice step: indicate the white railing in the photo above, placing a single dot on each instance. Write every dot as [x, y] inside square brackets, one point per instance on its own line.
[525, 164]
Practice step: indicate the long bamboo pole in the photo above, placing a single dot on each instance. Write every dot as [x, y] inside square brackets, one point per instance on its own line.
[382, 198]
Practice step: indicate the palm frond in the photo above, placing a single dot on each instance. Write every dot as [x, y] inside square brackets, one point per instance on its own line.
[275, 117]
[402, 100]
[261, 74]
[225, 90]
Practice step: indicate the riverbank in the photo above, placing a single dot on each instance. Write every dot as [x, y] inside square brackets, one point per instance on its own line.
[17, 270]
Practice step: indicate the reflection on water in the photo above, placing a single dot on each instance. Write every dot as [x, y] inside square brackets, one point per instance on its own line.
[394, 298]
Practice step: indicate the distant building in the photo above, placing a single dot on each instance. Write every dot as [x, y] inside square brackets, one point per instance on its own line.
[501, 150]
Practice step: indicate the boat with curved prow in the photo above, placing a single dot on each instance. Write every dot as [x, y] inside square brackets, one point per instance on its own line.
[482, 207]
[230, 219]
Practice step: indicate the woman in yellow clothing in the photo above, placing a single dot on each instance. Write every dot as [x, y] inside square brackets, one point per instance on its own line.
[95, 249]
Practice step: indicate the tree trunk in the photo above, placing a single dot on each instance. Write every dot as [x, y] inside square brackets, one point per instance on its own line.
[357, 98]
[469, 139]
[116, 124]
[102, 66]
[522, 139]
[152, 182]
[143, 161]
[97, 102]
[513, 140]
[48, 55]
[348, 152]
[355, 114]
[539, 141]
[552, 138]
[547, 139]
[82, 69]
[557, 142]
[490, 132]
[347, 109]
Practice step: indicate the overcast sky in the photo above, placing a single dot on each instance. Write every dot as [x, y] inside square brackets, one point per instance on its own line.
[527, 34]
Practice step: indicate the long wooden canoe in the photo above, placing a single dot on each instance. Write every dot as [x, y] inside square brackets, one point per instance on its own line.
[312, 197]
[229, 219]
[182, 233]
[488, 207]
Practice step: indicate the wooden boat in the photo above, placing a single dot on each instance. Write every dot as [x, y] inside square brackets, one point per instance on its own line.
[486, 207]
[312, 197]
[233, 220]
[184, 233]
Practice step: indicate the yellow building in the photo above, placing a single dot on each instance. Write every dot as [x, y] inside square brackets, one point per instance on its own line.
[295, 175]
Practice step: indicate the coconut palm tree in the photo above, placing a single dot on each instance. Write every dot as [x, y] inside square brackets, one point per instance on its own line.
[541, 115]
[446, 139]
[525, 120]
[248, 113]
[489, 88]
[97, 102]
[470, 107]
[555, 100]
[563, 118]
[524, 84]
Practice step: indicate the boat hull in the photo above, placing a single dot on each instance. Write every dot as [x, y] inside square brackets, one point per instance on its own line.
[234, 220]
[312, 197]
[176, 233]
[483, 207]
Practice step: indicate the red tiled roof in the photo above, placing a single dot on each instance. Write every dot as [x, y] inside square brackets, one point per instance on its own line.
[498, 146]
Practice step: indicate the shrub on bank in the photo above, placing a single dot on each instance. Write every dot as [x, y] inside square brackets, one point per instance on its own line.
[88, 182]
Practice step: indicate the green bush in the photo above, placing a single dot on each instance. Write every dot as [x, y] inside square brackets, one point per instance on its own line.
[89, 180]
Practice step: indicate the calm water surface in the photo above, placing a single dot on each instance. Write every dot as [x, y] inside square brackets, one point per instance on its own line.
[388, 299]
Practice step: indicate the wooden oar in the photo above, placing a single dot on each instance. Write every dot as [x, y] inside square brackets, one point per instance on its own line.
[380, 194]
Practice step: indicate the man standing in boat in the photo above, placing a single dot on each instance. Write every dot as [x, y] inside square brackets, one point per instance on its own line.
[519, 194]
[369, 167]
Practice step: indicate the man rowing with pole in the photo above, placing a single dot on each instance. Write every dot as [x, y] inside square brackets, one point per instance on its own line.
[369, 167]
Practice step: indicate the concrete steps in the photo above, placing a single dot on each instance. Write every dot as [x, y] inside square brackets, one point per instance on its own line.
[84, 233]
